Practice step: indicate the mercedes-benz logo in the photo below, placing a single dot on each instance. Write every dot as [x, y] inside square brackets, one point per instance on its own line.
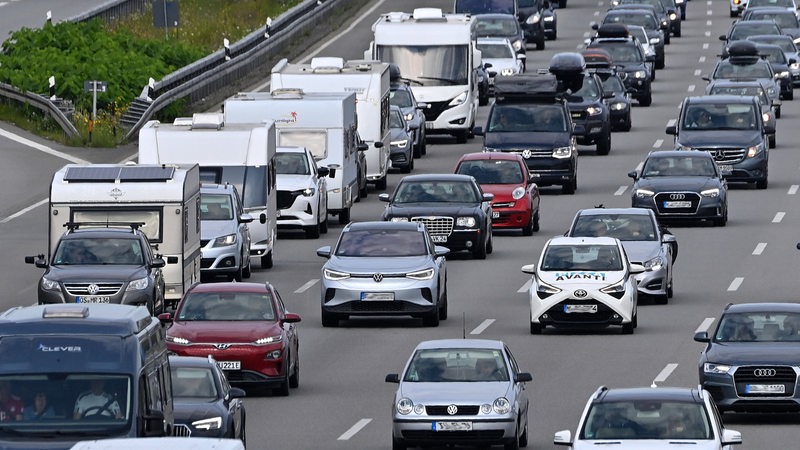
[677, 196]
[93, 289]
[764, 372]
[719, 156]
[378, 277]
[527, 154]
[452, 410]
[222, 346]
[580, 293]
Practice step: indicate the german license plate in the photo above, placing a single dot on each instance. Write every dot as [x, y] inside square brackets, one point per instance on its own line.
[93, 299]
[495, 214]
[377, 296]
[452, 426]
[725, 168]
[438, 238]
[678, 204]
[229, 365]
[576, 115]
[570, 309]
[765, 389]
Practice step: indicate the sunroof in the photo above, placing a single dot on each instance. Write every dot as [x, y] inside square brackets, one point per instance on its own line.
[125, 173]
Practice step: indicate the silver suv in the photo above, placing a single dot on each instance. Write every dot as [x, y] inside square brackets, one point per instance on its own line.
[224, 235]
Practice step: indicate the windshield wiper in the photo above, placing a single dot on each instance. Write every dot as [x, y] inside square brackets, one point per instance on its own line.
[451, 81]
[412, 80]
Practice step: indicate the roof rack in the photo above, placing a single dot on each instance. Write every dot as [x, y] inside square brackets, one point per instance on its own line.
[597, 58]
[538, 86]
[613, 30]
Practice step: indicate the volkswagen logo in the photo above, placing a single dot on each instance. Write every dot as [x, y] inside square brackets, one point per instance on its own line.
[93, 289]
[378, 277]
[764, 372]
[452, 410]
[222, 346]
[527, 154]
[580, 293]
[677, 196]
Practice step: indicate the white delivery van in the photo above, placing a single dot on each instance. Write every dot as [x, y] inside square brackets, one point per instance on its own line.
[323, 122]
[369, 80]
[238, 154]
[163, 199]
[436, 53]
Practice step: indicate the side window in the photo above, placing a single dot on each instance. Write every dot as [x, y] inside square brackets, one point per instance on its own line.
[155, 395]
[281, 307]
[514, 366]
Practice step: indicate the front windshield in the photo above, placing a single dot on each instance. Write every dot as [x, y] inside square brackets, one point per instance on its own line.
[429, 65]
[495, 51]
[227, 306]
[400, 98]
[396, 120]
[726, 70]
[291, 164]
[437, 191]
[624, 53]
[250, 181]
[105, 251]
[497, 27]
[644, 20]
[582, 257]
[783, 3]
[484, 6]
[678, 166]
[784, 42]
[735, 116]
[589, 89]
[381, 243]
[788, 20]
[493, 171]
[613, 84]
[741, 32]
[774, 55]
[744, 91]
[656, 3]
[758, 327]
[216, 207]
[316, 141]
[457, 365]
[625, 227]
[647, 419]
[196, 383]
[527, 118]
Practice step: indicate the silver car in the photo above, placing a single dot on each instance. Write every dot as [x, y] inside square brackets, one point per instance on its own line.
[224, 235]
[460, 391]
[381, 269]
[645, 242]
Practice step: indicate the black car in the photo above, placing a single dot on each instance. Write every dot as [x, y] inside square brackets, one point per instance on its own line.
[780, 65]
[588, 108]
[502, 26]
[771, 110]
[743, 29]
[750, 361]
[667, 14]
[644, 18]
[786, 43]
[786, 19]
[400, 95]
[657, 10]
[205, 404]
[402, 142]
[530, 117]
[681, 185]
[482, 75]
[619, 106]
[454, 209]
[629, 58]
[732, 130]
[95, 264]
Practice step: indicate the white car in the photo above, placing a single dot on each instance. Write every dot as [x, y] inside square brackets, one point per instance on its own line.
[586, 281]
[652, 418]
[302, 191]
[500, 58]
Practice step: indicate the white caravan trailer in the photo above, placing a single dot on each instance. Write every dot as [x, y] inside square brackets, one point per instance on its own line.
[165, 200]
[323, 122]
[370, 82]
[436, 53]
[237, 154]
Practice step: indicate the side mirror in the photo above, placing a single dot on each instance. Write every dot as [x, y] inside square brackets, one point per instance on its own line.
[528, 268]
[650, 58]
[236, 392]
[441, 251]
[332, 170]
[384, 197]
[487, 65]
[633, 174]
[262, 218]
[723, 38]
[563, 437]
[165, 318]
[38, 260]
[731, 437]
[245, 218]
[769, 128]
[792, 61]
[595, 26]
[322, 172]
[413, 126]
[477, 131]
[523, 377]
[362, 147]
[672, 129]
[378, 144]
[706, 78]
[521, 56]
[172, 260]
[324, 252]
[423, 105]
[392, 378]
[487, 197]
[701, 336]
[158, 263]
[578, 129]
[291, 318]
[637, 268]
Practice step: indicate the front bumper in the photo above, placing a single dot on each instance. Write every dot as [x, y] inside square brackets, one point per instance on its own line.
[595, 127]
[703, 208]
[653, 282]
[256, 366]
[121, 296]
[302, 212]
[415, 432]
[601, 309]
[730, 392]
[511, 214]
[220, 260]
[403, 296]
[549, 171]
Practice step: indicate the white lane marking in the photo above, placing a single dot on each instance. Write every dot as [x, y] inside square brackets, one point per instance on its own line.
[658, 143]
[735, 284]
[306, 286]
[705, 46]
[778, 217]
[698, 72]
[484, 325]
[354, 429]
[707, 34]
[24, 210]
[690, 88]
[671, 122]
[525, 287]
[709, 12]
[664, 374]
[597, 13]
[586, 35]
[705, 325]
[708, 23]
[639, 166]
[621, 190]
[793, 189]
[760, 248]
[41, 148]
[702, 59]
[708, 3]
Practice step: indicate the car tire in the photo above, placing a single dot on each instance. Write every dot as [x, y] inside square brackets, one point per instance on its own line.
[294, 378]
[603, 146]
[243, 437]
[670, 289]
[660, 63]
[443, 308]
[461, 136]
[628, 124]
[363, 189]
[627, 328]
[431, 319]
[790, 94]
[562, 3]
[528, 229]
[514, 443]
[661, 299]
[536, 221]
[344, 216]
[762, 183]
[777, 113]
[490, 243]
[647, 100]
[312, 231]
[523, 438]
[380, 183]
[536, 328]
[678, 32]
[480, 251]
[540, 43]
[771, 140]
[283, 389]
[424, 144]
[323, 226]
[248, 269]
[569, 188]
[329, 319]
[239, 274]
[667, 38]
[398, 444]
[734, 14]
[266, 260]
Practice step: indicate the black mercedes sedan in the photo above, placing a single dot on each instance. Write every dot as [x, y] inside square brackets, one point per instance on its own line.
[751, 359]
[681, 185]
[454, 209]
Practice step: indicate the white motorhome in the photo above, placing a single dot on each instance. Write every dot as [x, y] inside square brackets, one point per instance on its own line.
[369, 80]
[436, 53]
[238, 154]
[323, 122]
[164, 200]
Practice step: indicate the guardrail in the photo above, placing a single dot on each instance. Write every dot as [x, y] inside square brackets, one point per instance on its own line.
[38, 101]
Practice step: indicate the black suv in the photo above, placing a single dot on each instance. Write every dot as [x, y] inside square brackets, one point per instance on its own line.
[530, 117]
[103, 265]
[732, 129]
[628, 56]
[645, 18]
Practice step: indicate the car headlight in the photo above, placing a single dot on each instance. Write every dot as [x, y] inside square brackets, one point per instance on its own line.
[640, 74]
[643, 193]
[409, 117]
[460, 98]
[399, 144]
[398, 219]
[549, 18]
[783, 74]
[616, 290]
[716, 368]
[224, 241]
[273, 355]
[177, 340]
[796, 41]
[137, 285]
[664, 24]
[594, 110]
[507, 72]
[517, 44]
[426, 274]
[771, 91]
[307, 192]
[673, 17]
[405, 406]
[334, 275]
[562, 152]
[490, 149]
[212, 423]
[711, 193]
[654, 264]
[655, 40]
[546, 289]
[49, 285]
[269, 339]
[518, 192]
[753, 150]
[765, 117]
[618, 106]
[465, 221]
[794, 66]
[533, 19]
[502, 406]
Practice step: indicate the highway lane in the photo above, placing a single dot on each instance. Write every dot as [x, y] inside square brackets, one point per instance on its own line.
[16, 14]
[343, 402]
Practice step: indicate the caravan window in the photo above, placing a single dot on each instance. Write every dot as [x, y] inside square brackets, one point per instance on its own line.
[151, 218]
[250, 181]
[316, 141]
[430, 65]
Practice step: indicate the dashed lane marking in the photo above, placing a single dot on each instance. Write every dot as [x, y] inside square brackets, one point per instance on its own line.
[525, 287]
[735, 284]
[354, 429]
[664, 374]
[793, 189]
[484, 325]
[306, 286]
[760, 248]
[621, 190]
[778, 217]
[705, 325]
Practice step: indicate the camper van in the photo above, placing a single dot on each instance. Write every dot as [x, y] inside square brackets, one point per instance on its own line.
[237, 154]
[103, 370]
[324, 123]
[159, 201]
[436, 54]
[369, 80]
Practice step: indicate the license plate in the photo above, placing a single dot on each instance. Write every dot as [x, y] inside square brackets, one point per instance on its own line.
[428, 125]
[229, 365]
[725, 168]
[765, 389]
[93, 299]
[569, 309]
[377, 296]
[495, 214]
[439, 239]
[576, 115]
[452, 426]
[678, 204]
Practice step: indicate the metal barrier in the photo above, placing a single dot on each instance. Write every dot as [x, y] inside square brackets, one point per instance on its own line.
[43, 103]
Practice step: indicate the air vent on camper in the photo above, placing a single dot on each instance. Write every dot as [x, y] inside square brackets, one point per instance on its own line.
[327, 64]
[182, 122]
[396, 16]
[287, 93]
[429, 14]
[207, 121]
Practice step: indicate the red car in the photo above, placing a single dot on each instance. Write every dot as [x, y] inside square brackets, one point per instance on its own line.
[516, 197]
[244, 326]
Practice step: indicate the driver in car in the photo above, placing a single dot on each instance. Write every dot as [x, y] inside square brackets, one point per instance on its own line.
[97, 402]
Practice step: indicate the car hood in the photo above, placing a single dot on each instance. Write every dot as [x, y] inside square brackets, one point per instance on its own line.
[398, 133]
[650, 444]
[233, 331]
[463, 393]
[522, 140]
[793, 32]
[498, 64]
[659, 184]
[741, 353]
[577, 103]
[187, 410]
[641, 251]
[580, 277]
[96, 273]
[287, 182]
[210, 229]
[501, 192]
[354, 264]
[431, 209]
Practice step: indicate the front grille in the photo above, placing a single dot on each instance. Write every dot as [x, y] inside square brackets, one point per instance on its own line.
[435, 109]
[108, 289]
[662, 199]
[463, 410]
[530, 153]
[439, 226]
[450, 436]
[286, 199]
[763, 375]
[603, 315]
[728, 155]
[181, 430]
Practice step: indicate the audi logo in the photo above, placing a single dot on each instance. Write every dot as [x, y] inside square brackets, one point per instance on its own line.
[677, 196]
[764, 372]
[378, 277]
[580, 293]
[452, 410]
